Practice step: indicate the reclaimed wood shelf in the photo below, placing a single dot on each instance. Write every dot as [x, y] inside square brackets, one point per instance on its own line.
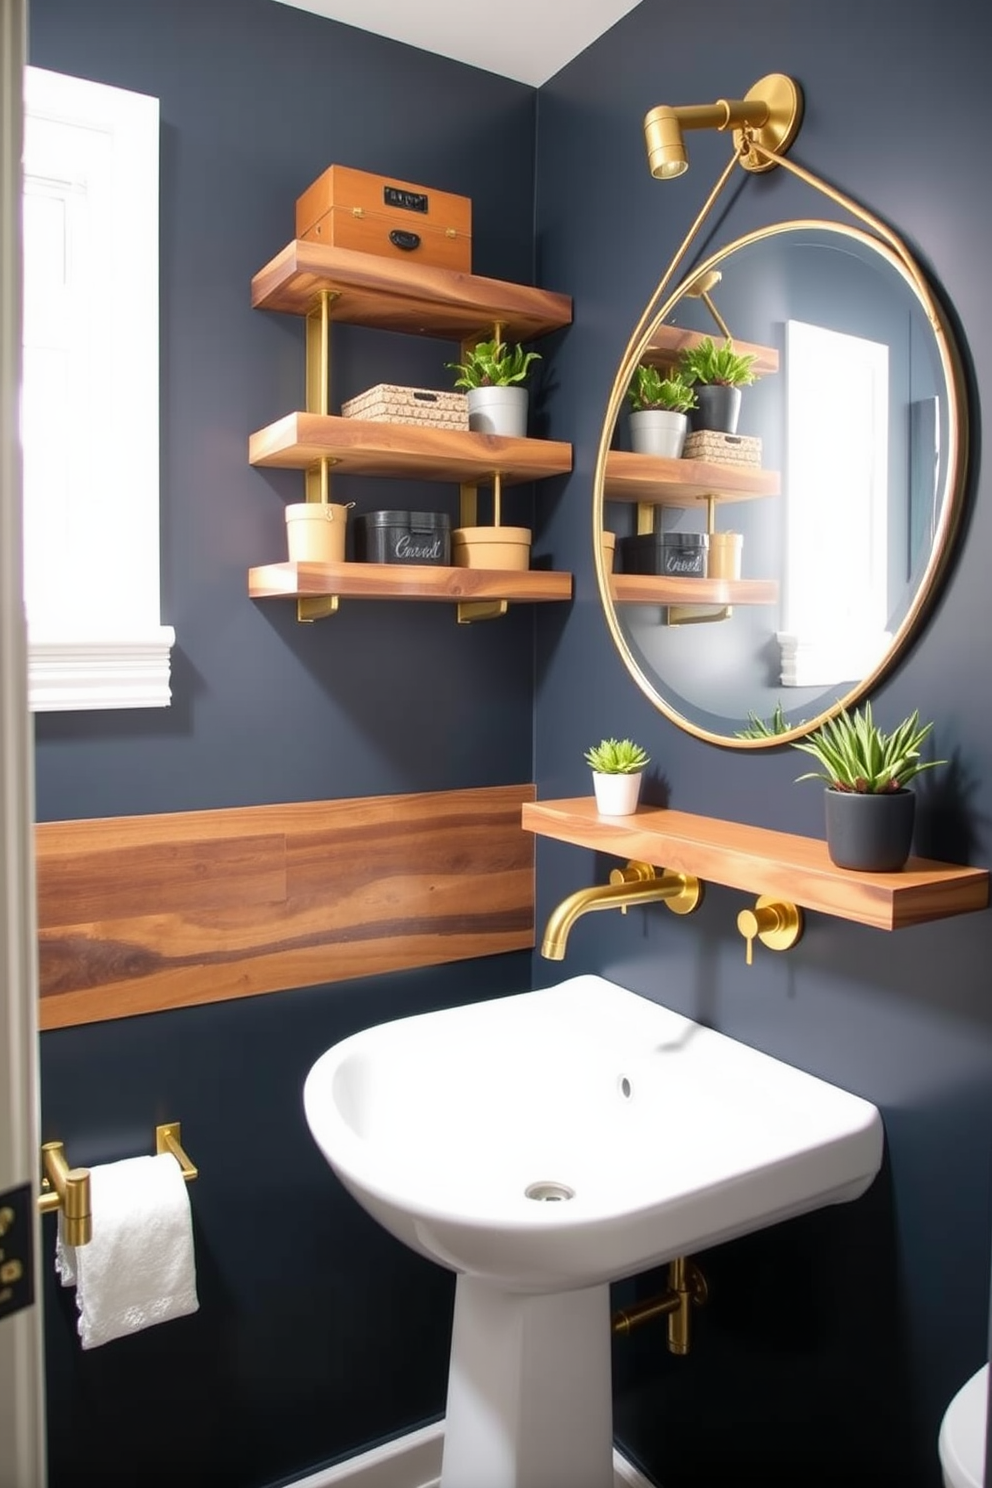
[759, 861]
[668, 342]
[406, 581]
[393, 295]
[662, 589]
[364, 447]
[661, 482]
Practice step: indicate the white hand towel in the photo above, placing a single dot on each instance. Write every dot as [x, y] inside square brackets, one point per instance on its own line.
[139, 1267]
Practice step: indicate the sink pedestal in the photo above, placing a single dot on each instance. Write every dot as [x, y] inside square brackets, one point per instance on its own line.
[529, 1389]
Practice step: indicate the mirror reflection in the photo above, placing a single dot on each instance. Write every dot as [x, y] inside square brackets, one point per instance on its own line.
[823, 518]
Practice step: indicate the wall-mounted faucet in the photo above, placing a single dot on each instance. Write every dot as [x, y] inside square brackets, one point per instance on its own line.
[775, 922]
[638, 883]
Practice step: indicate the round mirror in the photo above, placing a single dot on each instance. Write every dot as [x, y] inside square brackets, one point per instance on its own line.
[770, 574]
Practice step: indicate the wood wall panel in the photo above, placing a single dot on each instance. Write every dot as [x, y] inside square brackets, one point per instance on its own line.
[137, 914]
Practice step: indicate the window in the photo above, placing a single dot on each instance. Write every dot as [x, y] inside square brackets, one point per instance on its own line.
[835, 589]
[90, 397]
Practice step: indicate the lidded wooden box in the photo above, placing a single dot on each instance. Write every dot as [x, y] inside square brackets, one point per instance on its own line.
[348, 208]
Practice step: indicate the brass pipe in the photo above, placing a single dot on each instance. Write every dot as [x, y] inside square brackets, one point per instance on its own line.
[639, 883]
[686, 1288]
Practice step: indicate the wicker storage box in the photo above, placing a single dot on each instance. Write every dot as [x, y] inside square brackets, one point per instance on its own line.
[387, 404]
[723, 449]
[348, 208]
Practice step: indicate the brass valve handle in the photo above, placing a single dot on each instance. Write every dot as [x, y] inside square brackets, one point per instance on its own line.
[775, 922]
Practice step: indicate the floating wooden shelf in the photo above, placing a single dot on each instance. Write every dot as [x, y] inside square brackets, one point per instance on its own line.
[405, 581]
[361, 447]
[393, 295]
[759, 861]
[668, 342]
[649, 478]
[660, 589]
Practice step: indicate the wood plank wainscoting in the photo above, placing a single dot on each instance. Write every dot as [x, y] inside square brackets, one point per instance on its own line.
[141, 913]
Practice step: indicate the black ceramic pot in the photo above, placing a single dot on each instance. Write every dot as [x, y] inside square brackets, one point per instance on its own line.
[719, 408]
[872, 833]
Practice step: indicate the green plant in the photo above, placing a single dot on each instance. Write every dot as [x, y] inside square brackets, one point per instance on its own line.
[858, 756]
[760, 728]
[708, 363]
[616, 757]
[493, 364]
[648, 389]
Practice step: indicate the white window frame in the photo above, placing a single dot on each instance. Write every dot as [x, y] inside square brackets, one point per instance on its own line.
[95, 635]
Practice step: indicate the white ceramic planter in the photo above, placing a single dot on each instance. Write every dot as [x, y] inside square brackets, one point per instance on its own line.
[498, 410]
[658, 431]
[616, 795]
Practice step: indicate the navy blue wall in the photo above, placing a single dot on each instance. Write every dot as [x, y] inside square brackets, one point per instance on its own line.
[831, 1345]
[317, 1334]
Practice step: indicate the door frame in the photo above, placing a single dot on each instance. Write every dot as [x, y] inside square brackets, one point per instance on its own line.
[22, 1406]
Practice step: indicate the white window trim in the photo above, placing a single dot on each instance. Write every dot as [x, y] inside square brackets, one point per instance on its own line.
[84, 654]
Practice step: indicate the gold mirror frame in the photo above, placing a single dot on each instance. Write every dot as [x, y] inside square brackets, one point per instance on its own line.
[890, 247]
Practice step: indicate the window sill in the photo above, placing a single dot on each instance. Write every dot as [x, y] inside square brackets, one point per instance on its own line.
[120, 672]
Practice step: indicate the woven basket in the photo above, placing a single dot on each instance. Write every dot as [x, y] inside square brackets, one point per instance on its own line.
[388, 404]
[723, 449]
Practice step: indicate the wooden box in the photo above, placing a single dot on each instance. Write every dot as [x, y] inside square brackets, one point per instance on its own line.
[347, 208]
[389, 404]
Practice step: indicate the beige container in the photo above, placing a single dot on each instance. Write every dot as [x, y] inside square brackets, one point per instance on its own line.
[491, 547]
[724, 556]
[609, 545]
[315, 532]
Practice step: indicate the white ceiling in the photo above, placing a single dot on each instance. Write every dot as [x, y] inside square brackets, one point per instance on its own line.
[529, 40]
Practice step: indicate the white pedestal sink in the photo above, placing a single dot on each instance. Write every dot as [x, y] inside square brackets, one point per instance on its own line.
[544, 1145]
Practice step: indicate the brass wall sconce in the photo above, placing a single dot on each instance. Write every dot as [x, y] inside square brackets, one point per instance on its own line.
[769, 114]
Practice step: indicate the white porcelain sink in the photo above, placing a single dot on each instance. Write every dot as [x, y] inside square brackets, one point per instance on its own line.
[546, 1144]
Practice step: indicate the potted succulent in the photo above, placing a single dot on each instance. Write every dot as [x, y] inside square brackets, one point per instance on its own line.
[869, 809]
[493, 374]
[658, 417]
[617, 766]
[717, 373]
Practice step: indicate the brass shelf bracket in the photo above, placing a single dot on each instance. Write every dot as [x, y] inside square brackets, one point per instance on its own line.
[470, 610]
[68, 1188]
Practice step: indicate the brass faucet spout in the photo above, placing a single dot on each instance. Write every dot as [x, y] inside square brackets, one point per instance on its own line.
[638, 883]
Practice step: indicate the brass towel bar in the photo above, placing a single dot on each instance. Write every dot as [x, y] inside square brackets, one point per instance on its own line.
[68, 1188]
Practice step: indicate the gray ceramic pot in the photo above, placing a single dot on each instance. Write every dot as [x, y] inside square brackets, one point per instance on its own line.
[872, 833]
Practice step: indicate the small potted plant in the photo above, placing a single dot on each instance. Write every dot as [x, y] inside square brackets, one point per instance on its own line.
[617, 766]
[717, 373]
[658, 417]
[493, 374]
[869, 809]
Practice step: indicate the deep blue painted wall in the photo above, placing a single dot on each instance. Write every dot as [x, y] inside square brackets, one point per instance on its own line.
[832, 1345]
[317, 1334]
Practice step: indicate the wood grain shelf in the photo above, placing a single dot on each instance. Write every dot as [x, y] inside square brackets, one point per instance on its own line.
[661, 589]
[660, 482]
[668, 342]
[759, 861]
[406, 581]
[363, 447]
[390, 294]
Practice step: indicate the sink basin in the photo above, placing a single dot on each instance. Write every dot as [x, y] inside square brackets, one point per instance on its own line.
[578, 1134]
[544, 1145]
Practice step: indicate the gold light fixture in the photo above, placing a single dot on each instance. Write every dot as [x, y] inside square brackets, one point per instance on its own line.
[770, 114]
